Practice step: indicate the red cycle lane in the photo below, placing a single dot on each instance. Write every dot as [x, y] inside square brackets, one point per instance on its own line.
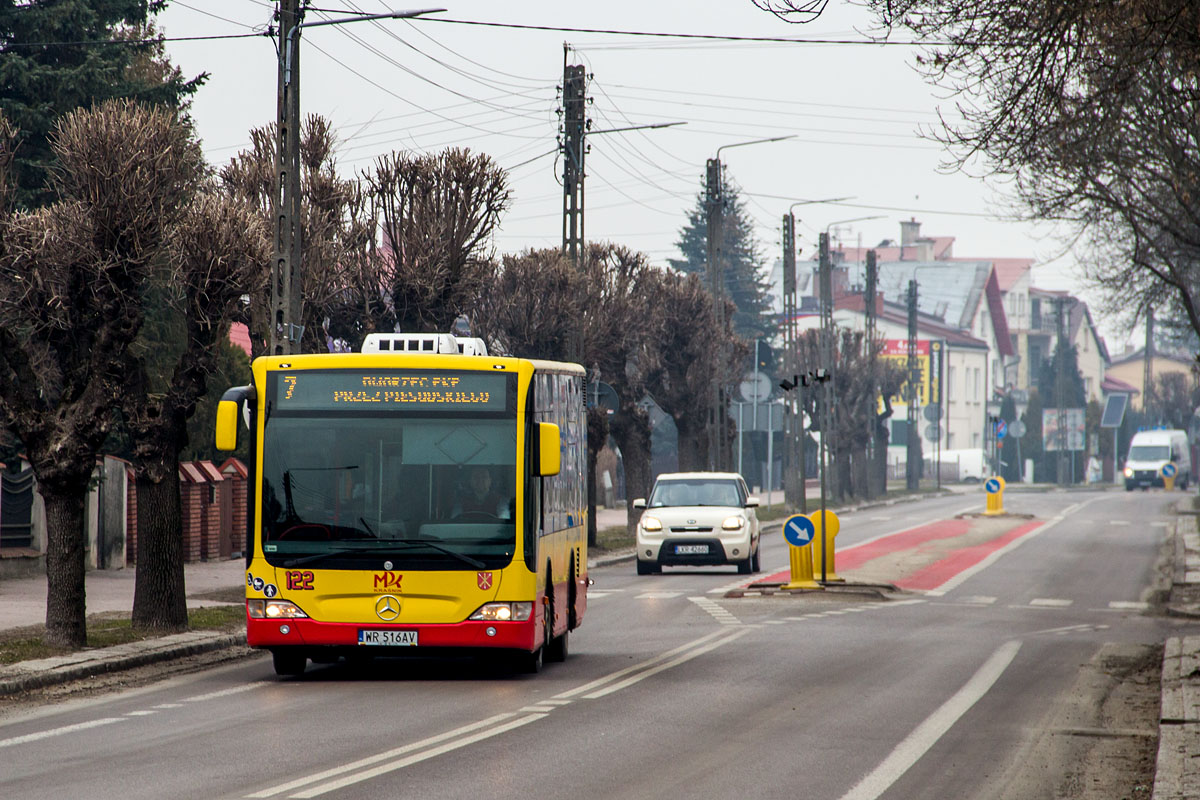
[925, 557]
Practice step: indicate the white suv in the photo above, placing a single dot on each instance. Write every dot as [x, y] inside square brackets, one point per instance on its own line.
[698, 518]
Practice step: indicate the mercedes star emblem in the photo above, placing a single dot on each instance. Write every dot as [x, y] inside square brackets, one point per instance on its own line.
[387, 607]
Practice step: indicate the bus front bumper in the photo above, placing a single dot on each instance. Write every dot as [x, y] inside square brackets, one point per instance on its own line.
[469, 634]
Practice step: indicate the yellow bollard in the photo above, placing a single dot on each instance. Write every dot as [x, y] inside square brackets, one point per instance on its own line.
[995, 496]
[823, 542]
[798, 531]
[1168, 475]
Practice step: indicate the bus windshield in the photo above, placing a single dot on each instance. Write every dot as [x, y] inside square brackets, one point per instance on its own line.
[1150, 452]
[348, 491]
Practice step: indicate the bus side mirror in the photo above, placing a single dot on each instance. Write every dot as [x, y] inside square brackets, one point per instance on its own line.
[227, 415]
[549, 453]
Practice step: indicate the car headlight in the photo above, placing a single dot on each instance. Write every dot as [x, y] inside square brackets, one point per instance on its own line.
[651, 524]
[273, 609]
[503, 612]
[733, 523]
[1128, 472]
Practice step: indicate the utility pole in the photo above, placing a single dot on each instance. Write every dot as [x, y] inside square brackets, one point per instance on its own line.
[828, 351]
[286, 310]
[573, 131]
[870, 290]
[714, 207]
[793, 417]
[1060, 387]
[912, 467]
[1148, 364]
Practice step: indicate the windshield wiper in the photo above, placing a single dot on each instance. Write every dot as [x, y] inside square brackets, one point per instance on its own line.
[384, 545]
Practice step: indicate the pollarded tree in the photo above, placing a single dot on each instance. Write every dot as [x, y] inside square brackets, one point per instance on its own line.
[59, 56]
[217, 252]
[340, 284]
[72, 280]
[437, 213]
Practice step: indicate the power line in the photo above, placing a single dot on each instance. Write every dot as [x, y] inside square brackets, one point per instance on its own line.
[670, 35]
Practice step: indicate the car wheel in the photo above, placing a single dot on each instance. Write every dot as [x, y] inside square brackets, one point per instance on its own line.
[756, 565]
[746, 567]
[644, 567]
[288, 662]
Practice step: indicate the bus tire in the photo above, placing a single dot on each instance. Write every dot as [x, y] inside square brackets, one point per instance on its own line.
[559, 648]
[288, 662]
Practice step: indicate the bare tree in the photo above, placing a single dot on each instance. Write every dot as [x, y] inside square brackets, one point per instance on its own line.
[72, 278]
[340, 284]
[689, 345]
[1092, 108]
[437, 214]
[797, 11]
[218, 252]
[533, 306]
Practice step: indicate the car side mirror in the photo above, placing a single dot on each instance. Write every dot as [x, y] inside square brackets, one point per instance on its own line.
[639, 503]
[752, 502]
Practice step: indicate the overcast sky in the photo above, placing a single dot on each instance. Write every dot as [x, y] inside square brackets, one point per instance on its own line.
[855, 111]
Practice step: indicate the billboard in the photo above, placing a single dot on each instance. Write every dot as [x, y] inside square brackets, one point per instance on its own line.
[929, 359]
[1072, 435]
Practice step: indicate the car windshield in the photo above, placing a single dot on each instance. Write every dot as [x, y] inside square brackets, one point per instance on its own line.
[422, 491]
[1150, 452]
[696, 492]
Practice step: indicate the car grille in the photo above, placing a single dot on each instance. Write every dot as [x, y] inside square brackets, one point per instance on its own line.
[691, 529]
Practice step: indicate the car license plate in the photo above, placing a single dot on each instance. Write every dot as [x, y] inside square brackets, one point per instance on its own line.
[690, 549]
[388, 638]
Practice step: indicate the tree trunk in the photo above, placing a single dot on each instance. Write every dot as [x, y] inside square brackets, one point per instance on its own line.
[597, 430]
[159, 595]
[692, 445]
[630, 429]
[859, 483]
[66, 602]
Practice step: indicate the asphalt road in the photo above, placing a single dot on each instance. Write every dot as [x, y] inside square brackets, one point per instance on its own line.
[671, 690]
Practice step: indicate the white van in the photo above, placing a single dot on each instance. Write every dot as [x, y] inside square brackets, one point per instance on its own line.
[1149, 451]
[972, 463]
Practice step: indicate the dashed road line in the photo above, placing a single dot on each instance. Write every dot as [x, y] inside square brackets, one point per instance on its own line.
[1050, 602]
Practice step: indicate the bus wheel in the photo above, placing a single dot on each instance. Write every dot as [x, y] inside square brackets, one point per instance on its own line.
[558, 648]
[288, 662]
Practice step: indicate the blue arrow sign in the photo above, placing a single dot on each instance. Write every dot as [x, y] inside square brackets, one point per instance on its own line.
[991, 486]
[798, 530]
[1168, 470]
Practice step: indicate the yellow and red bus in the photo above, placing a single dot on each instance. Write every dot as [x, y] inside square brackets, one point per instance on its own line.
[419, 497]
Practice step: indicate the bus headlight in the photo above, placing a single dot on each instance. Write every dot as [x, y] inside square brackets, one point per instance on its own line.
[651, 524]
[503, 612]
[273, 609]
[733, 523]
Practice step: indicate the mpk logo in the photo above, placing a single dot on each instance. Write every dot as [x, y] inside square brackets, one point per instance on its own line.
[387, 581]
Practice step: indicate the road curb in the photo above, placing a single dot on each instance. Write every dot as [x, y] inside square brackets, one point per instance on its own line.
[40, 673]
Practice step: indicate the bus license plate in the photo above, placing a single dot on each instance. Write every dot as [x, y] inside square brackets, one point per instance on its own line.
[691, 549]
[388, 638]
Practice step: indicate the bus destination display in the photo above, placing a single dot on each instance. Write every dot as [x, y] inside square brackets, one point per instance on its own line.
[415, 390]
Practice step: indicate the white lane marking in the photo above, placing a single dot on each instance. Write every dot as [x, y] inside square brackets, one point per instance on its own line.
[226, 692]
[81, 726]
[140, 713]
[776, 622]
[881, 519]
[657, 595]
[926, 735]
[1050, 602]
[1123, 605]
[1118, 522]
[1071, 629]
[537, 709]
[598, 595]
[718, 613]
[168, 705]
[375, 759]
[688, 656]
[587, 687]
[996, 555]
[977, 600]
[383, 769]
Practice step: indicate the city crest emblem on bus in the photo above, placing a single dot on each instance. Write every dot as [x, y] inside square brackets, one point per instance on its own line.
[484, 579]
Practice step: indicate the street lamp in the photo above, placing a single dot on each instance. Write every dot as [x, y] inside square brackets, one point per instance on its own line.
[286, 302]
